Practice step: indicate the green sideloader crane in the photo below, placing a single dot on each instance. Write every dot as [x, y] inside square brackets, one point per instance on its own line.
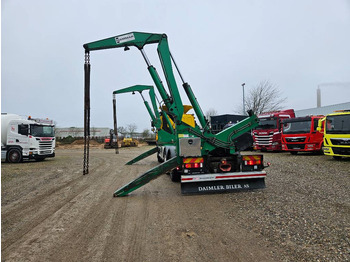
[208, 162]
[159, 120]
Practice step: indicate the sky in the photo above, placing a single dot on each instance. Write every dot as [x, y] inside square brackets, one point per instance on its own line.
[297, 45]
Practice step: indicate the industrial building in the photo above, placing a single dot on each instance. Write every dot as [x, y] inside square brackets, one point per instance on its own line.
[97, 132]
[322, 110]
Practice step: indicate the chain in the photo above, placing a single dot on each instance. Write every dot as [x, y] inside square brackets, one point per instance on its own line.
[86, 113]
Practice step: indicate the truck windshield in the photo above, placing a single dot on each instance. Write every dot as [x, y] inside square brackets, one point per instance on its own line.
[42, 131]
[338, 124]
[297, 127]
[267, 123]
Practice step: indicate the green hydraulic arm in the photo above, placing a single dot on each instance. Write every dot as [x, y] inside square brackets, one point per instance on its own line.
[164, 137]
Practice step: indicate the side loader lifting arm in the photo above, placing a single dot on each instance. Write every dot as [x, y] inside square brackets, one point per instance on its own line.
[155, 116]
[139, 40]
[139, 88]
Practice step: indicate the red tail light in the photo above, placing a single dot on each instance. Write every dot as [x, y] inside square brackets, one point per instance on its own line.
[253, 162]
[194, 165]
[196, 162]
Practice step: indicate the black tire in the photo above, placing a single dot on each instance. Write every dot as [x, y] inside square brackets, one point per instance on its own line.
[164, 156]
[160, 160]
[337, 157]
[175, 176]
[294, 152]
[168, 155]
[14, 155]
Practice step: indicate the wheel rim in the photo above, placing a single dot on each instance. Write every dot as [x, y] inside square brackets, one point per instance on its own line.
[14, 156]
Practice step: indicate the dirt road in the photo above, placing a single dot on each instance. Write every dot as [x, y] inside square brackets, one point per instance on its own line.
[51, 212]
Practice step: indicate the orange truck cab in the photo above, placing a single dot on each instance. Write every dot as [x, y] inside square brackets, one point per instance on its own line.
[301, 135]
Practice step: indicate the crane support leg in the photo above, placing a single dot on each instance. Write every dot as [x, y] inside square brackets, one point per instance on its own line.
[148, 176]
[142, 156]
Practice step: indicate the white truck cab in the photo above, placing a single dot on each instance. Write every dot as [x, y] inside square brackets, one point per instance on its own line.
[26, 138]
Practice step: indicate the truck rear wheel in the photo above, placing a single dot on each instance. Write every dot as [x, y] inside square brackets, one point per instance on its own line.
[14, 155]
[160, 160]
[175, 176]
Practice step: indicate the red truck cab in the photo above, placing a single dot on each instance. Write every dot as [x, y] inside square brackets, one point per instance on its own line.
[267, 135]
[300, 135]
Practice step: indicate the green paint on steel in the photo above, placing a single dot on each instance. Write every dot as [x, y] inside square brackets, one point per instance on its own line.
[142, 156]
[137, 39]
[148, 176]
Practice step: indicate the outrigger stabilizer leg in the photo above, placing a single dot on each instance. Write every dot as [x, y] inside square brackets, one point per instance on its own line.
[142, 156]
[148, 176]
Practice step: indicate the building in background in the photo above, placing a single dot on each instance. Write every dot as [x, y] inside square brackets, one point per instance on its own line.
[95, 132]
[323, 110]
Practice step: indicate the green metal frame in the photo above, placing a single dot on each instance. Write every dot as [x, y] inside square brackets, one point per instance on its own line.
[164, 137]
[148, 176]
[142, 156]
[173, 102]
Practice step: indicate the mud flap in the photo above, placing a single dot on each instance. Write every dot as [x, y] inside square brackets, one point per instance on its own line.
[223, 186]
[148, 176]
[142, 156]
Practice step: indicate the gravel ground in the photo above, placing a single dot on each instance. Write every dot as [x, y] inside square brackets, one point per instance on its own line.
[305, 208]
[50, 212]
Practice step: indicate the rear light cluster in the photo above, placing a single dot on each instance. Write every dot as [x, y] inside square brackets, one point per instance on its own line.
[252, 162]
[193, 162]
[194, 165]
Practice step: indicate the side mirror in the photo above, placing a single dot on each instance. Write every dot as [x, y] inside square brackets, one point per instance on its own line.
[319, 129]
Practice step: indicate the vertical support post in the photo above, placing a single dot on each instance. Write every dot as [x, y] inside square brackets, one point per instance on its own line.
[87, 69]
[243, 100]
[115, 123]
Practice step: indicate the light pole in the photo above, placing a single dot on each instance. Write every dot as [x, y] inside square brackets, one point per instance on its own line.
[243, 99]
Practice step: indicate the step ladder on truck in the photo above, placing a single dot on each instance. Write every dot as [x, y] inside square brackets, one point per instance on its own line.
[206, 162]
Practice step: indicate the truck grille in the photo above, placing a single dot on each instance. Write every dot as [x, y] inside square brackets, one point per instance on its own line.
[341, 151]
[296, 146]
[45, 147]
[340, 141]
[263, 140]
[295, 139]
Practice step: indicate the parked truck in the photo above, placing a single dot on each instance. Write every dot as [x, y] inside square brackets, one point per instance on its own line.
[207, 162]
[267, 135]
[26, 138]
[336, 140]
[301, 135]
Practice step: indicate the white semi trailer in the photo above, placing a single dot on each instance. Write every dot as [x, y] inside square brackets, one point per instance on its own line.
[23, 138]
